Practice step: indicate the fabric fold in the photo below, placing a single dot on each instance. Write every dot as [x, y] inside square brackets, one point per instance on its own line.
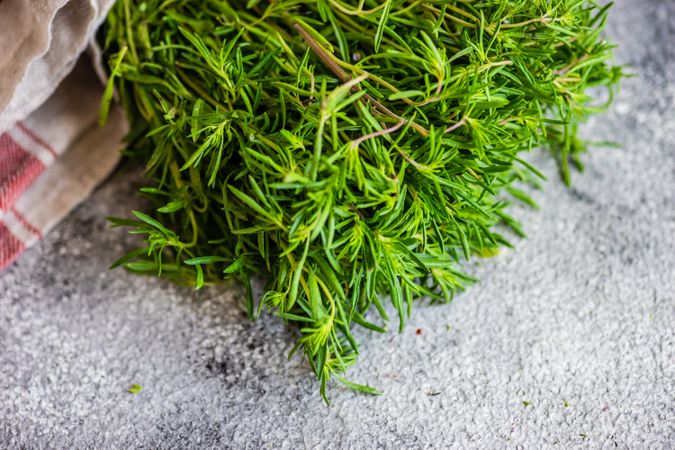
[52, 150]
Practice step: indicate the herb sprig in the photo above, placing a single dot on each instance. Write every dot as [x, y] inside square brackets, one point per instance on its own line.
[351, 153]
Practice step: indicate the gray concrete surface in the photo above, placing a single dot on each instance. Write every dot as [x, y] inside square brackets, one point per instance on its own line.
[567, 342]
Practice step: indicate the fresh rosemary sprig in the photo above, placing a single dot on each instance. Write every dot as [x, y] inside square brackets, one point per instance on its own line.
[351, 153]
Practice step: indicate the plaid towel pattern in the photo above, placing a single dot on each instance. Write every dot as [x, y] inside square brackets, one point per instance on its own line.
[52, 152]
[52, 160]
[23, 157]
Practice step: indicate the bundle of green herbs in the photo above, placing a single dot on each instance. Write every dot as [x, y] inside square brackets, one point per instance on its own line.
[349, 153]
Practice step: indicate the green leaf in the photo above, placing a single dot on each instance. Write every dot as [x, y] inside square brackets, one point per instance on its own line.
[108, 93]
[381, 25]
[236, 265]
[405, 94]
[359, 387]
[204, 260]
[173, 206]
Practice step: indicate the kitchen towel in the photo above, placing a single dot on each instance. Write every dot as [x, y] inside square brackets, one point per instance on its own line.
[52, 151]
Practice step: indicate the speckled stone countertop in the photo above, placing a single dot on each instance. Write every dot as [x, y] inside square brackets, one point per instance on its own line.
[567, 341]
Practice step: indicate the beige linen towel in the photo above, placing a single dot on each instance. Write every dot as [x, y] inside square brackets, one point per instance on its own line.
[52, 151]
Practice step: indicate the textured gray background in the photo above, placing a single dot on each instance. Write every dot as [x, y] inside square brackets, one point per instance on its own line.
[582, 313]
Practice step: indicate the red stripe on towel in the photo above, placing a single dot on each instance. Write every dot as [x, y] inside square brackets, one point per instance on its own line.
[10, 246]
[37, 139]
[18, 169]
[27, 225]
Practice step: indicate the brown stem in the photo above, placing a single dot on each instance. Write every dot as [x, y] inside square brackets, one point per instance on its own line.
[375, 134]
[344, 77]
[455, 126]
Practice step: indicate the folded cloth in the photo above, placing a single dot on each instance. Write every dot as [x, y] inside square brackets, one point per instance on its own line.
[52, 151]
